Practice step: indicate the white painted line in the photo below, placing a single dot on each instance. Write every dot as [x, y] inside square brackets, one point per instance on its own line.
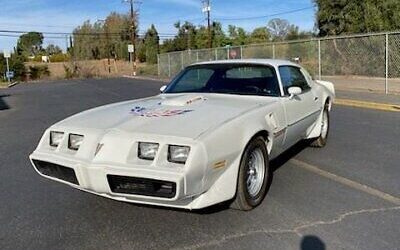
[347, 182]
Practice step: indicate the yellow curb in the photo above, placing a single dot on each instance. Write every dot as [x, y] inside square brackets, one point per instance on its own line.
[368, 105]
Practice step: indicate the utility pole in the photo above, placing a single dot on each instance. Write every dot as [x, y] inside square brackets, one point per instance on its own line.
[133, 30]
[207, 10]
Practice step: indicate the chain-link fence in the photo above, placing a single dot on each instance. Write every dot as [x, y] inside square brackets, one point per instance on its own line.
[366, 62]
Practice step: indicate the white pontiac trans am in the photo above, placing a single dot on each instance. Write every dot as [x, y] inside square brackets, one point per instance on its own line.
[207, 138]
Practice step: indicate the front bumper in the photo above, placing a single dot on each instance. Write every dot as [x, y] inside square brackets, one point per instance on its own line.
[100, 179]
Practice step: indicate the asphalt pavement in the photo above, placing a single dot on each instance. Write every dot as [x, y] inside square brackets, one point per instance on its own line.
[344, 196]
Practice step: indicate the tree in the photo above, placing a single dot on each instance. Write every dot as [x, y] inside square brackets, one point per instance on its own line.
[103, 38]
[259, 35]
[278, 28]
[16, 63]
[237, 35]
[30, 44]
[294, 33]
[218, 36]
[52, 49]
[151, 41]
[349, 16]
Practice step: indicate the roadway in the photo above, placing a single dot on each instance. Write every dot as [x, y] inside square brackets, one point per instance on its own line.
[345, 196]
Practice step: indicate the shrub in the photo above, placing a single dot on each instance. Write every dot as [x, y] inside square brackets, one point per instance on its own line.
[38, 71]
[76, 70]
[59, 57]
[148, 69]
[71, 70]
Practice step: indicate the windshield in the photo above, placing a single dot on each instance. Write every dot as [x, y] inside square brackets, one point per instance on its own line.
[240, 79]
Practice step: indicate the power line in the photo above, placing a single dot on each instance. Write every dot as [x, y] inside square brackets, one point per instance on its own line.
[265, 16]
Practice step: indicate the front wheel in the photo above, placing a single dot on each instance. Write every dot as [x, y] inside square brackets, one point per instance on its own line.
[321, 141]
[254, 176]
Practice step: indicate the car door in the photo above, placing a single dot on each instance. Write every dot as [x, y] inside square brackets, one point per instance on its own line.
[302, 110]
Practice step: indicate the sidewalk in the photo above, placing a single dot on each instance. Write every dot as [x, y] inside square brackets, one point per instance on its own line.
[368, 97]
[368, 100]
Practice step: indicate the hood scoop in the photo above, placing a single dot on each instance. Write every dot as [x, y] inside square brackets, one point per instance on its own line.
[184, 100]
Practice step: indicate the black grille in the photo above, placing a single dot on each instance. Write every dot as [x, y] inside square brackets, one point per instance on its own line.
[56, 171]
[141, 186]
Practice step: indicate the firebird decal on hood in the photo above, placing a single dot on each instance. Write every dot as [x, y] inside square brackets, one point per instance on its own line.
[145, 112]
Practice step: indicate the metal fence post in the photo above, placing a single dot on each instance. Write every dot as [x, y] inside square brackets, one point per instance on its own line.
[319, 60]
[273, 51]
[182, 60]
[169, 65]
[387, 64]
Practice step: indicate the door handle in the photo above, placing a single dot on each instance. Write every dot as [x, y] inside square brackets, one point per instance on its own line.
[316, 98]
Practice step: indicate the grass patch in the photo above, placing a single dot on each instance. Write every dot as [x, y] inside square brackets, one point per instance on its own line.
[3, 84]
[148, 69]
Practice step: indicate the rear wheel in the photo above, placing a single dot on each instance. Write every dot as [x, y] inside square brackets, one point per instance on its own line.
[321, 141]
[254, 176]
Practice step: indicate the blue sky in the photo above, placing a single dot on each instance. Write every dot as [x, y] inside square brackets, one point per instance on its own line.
[64, 15]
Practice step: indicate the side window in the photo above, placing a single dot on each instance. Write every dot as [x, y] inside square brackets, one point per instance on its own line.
[292, 77]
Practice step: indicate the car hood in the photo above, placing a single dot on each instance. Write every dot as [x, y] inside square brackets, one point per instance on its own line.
[181, 115]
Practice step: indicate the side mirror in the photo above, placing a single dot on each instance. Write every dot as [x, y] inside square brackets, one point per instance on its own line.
[294, 91]
[163, 88]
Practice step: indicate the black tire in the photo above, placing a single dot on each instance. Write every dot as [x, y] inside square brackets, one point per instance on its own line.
[321, 141]
[243, 200]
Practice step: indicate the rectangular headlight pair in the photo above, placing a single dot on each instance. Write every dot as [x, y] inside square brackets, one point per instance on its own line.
[74, 140]
[176, 154]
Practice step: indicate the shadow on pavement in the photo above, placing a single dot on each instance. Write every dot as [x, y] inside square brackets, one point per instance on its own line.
[3, 104]
[289, 154]
[311, 242]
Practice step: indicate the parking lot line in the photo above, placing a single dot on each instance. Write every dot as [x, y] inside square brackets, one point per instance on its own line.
[368, 105]
[347, 182]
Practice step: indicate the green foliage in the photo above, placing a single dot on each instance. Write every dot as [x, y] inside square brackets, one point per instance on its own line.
[103, 39]
[259, 35]
[237, 35]
[60, 57]
[38, 71]
[79, 70]
[191, 37]
[30, 44]
[53, 49]
[141, 51]
[349, 16]
[151, 42]
[148, 70]
[71, 70]
[16, 64]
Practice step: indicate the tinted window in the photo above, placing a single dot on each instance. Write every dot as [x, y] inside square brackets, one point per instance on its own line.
[194, 80]
[242, 79]
[292, 77]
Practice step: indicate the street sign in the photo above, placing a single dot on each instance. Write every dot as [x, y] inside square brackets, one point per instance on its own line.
[131, 48]
[6, 54]
[10, 74]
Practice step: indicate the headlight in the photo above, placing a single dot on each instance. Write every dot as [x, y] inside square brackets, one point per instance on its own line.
[55, 138]
[75, 141]
[178, 154]
[147, 150]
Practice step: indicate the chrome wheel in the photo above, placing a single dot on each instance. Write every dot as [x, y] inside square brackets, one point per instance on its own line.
[325, 125]
[256, 172]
